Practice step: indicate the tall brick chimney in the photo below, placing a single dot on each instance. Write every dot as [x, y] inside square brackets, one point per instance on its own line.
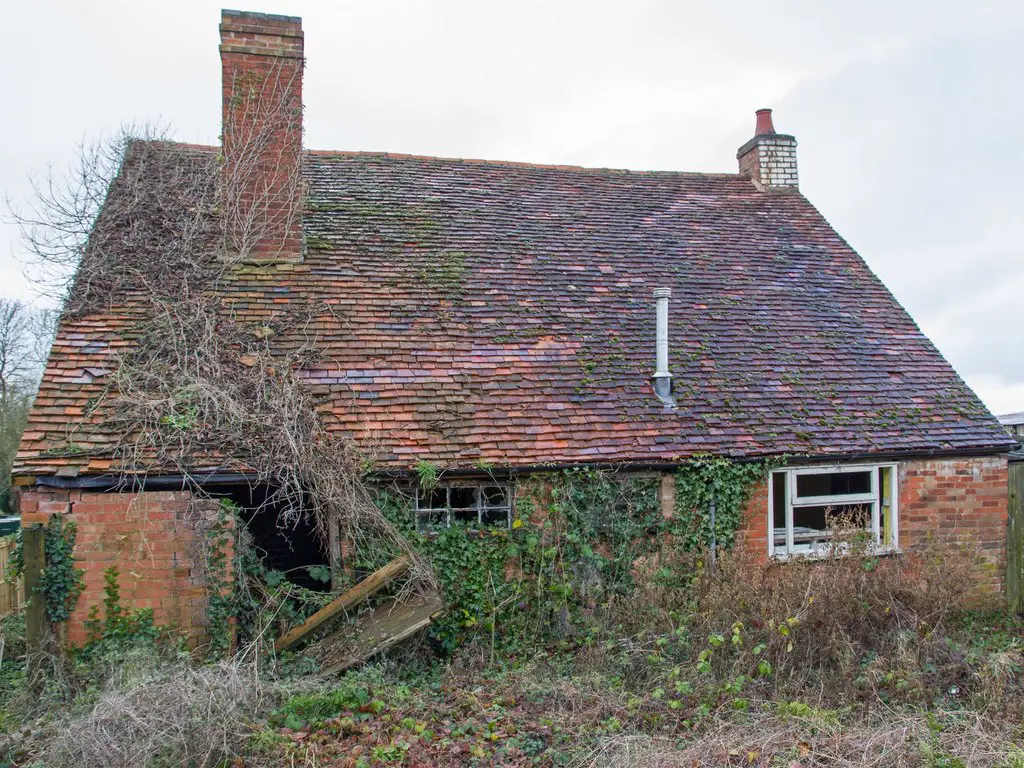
[261, 63]
[769, 159]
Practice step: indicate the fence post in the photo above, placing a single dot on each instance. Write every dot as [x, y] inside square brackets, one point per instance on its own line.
[1015, 539]
[34, 545]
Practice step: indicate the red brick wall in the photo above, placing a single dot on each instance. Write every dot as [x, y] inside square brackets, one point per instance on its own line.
[752, 537]
[154, 539]
[963, 501]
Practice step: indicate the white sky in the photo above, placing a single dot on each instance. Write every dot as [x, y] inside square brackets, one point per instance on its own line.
[909, 113]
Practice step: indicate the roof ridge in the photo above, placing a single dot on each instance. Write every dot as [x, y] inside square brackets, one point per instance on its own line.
[516, 163]
[472, 161]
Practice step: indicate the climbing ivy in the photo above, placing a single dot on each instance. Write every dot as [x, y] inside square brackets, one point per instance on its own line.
[61, 582]
[729, 483]
[118, 625]
[609, 521]
[222, 593]
[575, 542]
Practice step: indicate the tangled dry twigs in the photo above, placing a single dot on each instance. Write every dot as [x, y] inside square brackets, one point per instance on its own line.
[179, 715]
[195, 385]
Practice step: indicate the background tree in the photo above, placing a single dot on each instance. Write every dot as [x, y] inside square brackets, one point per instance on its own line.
[25, 334]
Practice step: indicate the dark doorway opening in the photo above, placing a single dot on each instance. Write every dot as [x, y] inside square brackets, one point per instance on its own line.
[290, 547]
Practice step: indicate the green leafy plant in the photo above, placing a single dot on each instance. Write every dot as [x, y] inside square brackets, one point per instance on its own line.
[61, 582]
[428, 474]
[729, 484]
[118, 626]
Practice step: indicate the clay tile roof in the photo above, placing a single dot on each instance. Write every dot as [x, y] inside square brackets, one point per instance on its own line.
[500, 314]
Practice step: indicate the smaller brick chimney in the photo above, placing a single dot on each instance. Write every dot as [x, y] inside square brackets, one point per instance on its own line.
[261, 63]
[769, 159]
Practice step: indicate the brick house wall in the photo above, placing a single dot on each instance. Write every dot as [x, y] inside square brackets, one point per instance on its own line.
[964, 501]
[154, 538]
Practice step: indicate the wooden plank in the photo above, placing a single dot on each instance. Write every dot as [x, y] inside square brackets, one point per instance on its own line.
[1015, 540]
[389, 624]
[34, 545]
[334, 549]
[368, 587]
[8, 589]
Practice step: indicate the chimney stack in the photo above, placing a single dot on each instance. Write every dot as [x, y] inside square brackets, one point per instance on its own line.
[769, 159]
[662, 377]
[261, 63]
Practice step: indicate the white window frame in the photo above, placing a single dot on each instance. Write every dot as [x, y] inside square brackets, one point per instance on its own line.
[872, 498]
[422, 513]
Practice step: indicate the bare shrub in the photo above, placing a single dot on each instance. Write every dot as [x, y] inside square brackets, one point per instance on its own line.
[174, 715]
[843, 623]
[851, 625]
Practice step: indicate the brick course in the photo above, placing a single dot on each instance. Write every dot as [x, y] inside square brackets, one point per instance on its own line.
[153, 538]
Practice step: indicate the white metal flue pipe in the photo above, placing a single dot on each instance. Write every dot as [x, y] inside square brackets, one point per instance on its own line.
[662, 377]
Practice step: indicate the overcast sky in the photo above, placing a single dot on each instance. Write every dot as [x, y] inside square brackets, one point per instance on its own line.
[909, 114]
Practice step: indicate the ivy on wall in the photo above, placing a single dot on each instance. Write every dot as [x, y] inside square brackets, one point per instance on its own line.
[729, 484]
[61, 582]
[575, 543]
[579, 539]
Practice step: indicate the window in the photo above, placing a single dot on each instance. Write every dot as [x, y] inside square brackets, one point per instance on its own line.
[475, 505]
[802, 503]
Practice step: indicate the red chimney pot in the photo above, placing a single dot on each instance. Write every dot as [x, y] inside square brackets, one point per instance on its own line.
[764, 125]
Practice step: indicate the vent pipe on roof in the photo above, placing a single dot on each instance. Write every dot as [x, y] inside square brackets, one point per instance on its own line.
[662, 377]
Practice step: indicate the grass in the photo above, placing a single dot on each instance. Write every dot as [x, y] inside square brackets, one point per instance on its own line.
[587, 703]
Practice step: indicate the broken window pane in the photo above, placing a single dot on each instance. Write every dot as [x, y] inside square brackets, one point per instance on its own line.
[466, 504]
[462, 498]
[435, 498]
[494, 496]
[495, 517]
[431, 519]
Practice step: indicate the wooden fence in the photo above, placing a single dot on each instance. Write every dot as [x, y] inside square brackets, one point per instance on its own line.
[1015, 540]
[12, 591]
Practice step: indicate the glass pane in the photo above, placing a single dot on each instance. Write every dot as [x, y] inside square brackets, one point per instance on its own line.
[494, 496]
[435, 498]
[463, 498]
[833, 484]
[811, 524]
[885, 507]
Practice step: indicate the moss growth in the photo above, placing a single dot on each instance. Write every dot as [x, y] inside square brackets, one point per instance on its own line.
[444, 271]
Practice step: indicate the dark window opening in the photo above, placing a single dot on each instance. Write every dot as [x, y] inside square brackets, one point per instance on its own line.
[779, 508]
[465, 504]
[290, 548]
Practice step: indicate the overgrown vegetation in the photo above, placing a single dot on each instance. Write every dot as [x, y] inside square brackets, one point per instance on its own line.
[852, 660]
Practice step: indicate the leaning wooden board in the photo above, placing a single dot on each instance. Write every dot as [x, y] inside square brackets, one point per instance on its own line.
[388, 624]
[368, 587]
